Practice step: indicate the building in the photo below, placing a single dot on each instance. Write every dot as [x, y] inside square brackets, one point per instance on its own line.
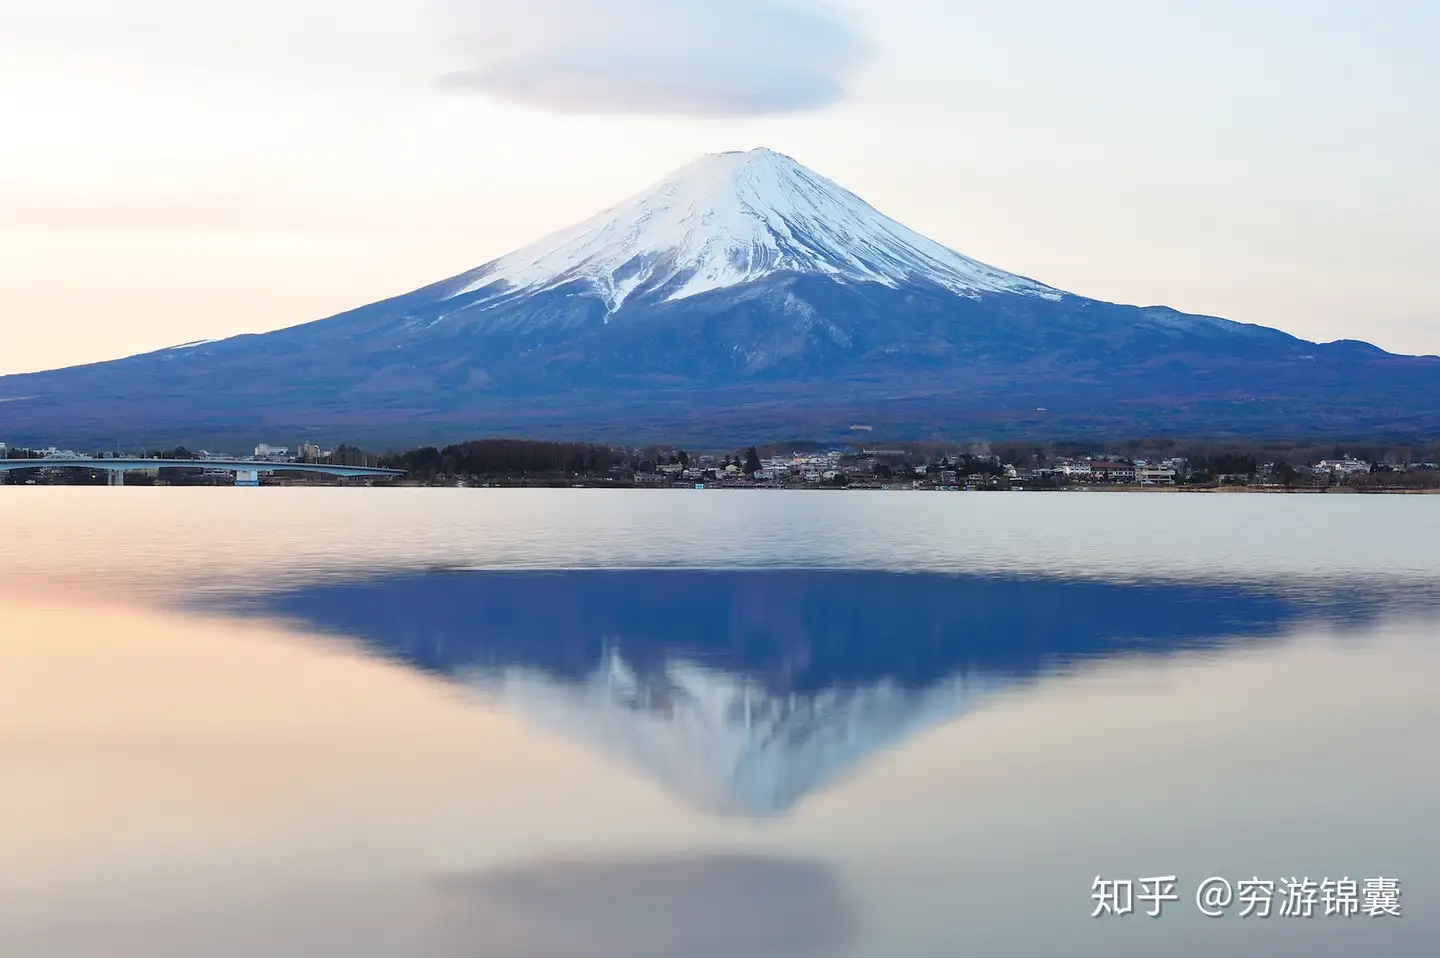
[1155, 475]
[1341, 468]
[308, 451]
[1110, 471]
[267, 451]
[1180, 464]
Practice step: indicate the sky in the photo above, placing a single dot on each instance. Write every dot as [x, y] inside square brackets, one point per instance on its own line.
[172, 171]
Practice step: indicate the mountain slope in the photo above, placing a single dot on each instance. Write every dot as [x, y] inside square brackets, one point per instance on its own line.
[743, 298]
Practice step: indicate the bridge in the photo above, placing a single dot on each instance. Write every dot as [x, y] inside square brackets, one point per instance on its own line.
[247, 471]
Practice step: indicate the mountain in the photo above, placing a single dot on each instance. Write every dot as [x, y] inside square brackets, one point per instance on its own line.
[743, 692]
[743, 298]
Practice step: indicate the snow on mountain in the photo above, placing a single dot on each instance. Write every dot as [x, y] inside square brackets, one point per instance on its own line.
[721, 741]
[731, 218]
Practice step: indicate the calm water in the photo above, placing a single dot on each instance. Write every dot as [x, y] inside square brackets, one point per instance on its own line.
[599, 724]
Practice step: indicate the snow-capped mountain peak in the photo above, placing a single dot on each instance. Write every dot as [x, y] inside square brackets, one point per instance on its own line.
[732, 218]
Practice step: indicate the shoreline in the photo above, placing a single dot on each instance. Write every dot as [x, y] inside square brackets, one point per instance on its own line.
[1257, 489]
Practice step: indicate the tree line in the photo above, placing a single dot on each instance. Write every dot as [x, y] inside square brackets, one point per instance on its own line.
[505, 457]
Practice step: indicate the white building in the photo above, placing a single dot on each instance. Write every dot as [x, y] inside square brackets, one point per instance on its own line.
[1343, 467]
[267, 451]
[1155, 475]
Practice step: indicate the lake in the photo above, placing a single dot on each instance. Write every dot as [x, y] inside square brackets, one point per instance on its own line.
[601, 723]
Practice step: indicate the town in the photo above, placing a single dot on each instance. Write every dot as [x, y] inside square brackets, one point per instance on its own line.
[902, 466]
[906, 468]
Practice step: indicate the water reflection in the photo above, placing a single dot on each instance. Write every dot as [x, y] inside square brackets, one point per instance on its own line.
[745, 691]
[699, 905]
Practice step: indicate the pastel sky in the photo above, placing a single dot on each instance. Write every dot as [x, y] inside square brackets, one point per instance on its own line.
[173, 171]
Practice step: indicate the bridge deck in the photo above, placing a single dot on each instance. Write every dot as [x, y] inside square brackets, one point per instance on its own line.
[229, 465]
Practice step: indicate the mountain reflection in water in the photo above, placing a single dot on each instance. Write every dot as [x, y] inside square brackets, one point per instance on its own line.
[744, 691]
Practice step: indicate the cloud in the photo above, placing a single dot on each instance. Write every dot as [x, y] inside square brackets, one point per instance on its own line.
[698, 905]
[693, 57]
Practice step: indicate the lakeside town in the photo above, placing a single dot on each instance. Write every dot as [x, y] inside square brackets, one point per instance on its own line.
[917, 466]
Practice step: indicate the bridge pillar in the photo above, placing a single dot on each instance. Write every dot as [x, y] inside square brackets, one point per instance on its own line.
[247, 477]
[115, 477]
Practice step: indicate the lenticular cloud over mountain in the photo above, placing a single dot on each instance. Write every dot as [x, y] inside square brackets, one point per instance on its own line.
[697, 57]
